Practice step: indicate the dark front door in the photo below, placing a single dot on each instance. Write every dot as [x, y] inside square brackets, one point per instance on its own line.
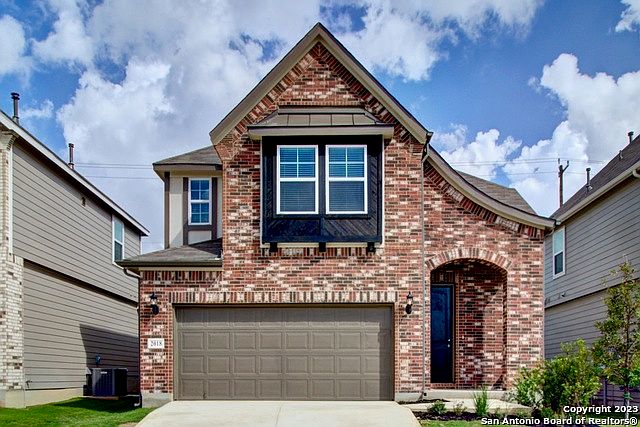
[441, 334]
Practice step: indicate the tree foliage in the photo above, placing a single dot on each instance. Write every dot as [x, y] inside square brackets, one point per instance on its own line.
[618, 348]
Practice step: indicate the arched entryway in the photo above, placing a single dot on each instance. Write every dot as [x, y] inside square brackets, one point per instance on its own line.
[466, 342]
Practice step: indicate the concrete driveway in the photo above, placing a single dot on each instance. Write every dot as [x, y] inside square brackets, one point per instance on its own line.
[280, 414]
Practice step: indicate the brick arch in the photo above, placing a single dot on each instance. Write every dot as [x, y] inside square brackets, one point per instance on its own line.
[469, 253]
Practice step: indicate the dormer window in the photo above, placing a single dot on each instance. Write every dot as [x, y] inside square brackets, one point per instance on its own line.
[199, 201]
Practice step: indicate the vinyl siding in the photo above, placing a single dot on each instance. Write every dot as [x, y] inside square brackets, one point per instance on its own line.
[597, 241]
[52, 228]
[572, 320]
[67, 324]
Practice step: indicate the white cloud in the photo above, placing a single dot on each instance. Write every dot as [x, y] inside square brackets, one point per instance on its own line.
[423, 27]
[44, 111]
[599, 109]
[188, 63]
[12, 47]
[68, 42]
[630, 18]
[481, 157]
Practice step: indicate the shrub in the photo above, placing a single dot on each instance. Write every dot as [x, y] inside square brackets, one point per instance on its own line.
[528, 387]
[481, 402]
[459, 408]
[438, 408]
[571, 378]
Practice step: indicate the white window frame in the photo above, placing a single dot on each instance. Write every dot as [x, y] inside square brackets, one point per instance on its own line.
[291, 179]
[115, 220]
[328, 179]
[200, 201]
[555, 252]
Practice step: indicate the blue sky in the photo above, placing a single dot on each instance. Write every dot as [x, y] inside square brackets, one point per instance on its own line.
[506, 85]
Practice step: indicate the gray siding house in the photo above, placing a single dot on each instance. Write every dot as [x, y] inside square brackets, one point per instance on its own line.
[597, 229]
[65, 306]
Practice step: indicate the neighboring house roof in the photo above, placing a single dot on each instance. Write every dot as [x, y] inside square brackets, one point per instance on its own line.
[319, 34]
[617, 170]
[7, 123]
[203, 254]
[328, 121]
[506, 195]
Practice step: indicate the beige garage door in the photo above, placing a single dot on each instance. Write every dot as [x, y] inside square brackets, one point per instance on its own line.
[284, 353]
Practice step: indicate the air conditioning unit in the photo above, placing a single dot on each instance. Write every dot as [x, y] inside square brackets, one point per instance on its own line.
[109, 381]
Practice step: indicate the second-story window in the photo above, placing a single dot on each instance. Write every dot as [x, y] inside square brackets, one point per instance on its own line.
[297, 179]
[118, 239]
[558, 252]
[346, 186]
[199, 201]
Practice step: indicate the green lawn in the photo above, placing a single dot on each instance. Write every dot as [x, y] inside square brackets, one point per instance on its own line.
[75, 412]
[453, 423]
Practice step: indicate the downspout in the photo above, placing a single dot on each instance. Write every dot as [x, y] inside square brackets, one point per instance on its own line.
[424, 272]
[138, 404]
[635, 174]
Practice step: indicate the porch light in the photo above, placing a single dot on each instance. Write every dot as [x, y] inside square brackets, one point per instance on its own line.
[154, 303]
[409, 307]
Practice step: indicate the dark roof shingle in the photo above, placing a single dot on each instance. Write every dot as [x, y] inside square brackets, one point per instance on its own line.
[202, 156]
[506, 195]
[207, 253]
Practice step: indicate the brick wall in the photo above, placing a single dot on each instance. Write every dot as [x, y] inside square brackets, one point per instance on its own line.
[456, 228]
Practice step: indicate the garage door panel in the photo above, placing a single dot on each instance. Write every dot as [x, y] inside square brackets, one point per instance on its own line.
[243, 340]
[219, 341]
[271, 340]
[299, 353]
[322, 340]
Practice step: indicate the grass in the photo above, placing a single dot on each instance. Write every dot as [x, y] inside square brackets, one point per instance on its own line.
[452, 423]
[75, 412]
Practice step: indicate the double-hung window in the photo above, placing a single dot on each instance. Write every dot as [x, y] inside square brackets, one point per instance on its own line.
[199, 201]
[118, 239]
[297, 179]
[346, 182]
[559, 258]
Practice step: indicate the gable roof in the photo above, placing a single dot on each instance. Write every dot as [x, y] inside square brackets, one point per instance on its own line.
[319, 34]
[506, 195]
[74, 176]
[617, 170]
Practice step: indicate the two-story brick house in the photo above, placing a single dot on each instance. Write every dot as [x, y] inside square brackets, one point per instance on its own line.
[354, 263]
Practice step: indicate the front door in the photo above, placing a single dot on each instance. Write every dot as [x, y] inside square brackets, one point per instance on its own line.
[441, 334]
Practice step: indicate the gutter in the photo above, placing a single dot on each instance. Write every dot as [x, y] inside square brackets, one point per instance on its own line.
[633, 171]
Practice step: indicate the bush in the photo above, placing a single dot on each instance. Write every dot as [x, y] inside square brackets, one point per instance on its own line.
[528, 387]
[481, 402]
[459, 408]
[570, 378]
[438, 408]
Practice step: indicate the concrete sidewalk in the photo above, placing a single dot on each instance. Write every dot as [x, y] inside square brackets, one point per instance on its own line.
[280, 414]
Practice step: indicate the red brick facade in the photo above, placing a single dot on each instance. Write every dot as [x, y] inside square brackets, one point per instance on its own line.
[496, 264]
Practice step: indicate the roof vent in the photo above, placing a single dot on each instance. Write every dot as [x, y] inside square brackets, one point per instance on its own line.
[589, 187]
[630, 135]
[16, 98]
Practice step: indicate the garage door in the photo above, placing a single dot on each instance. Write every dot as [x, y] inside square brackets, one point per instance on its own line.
[288, 353]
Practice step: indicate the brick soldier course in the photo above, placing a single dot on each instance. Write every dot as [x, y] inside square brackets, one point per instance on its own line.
[494, 262]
